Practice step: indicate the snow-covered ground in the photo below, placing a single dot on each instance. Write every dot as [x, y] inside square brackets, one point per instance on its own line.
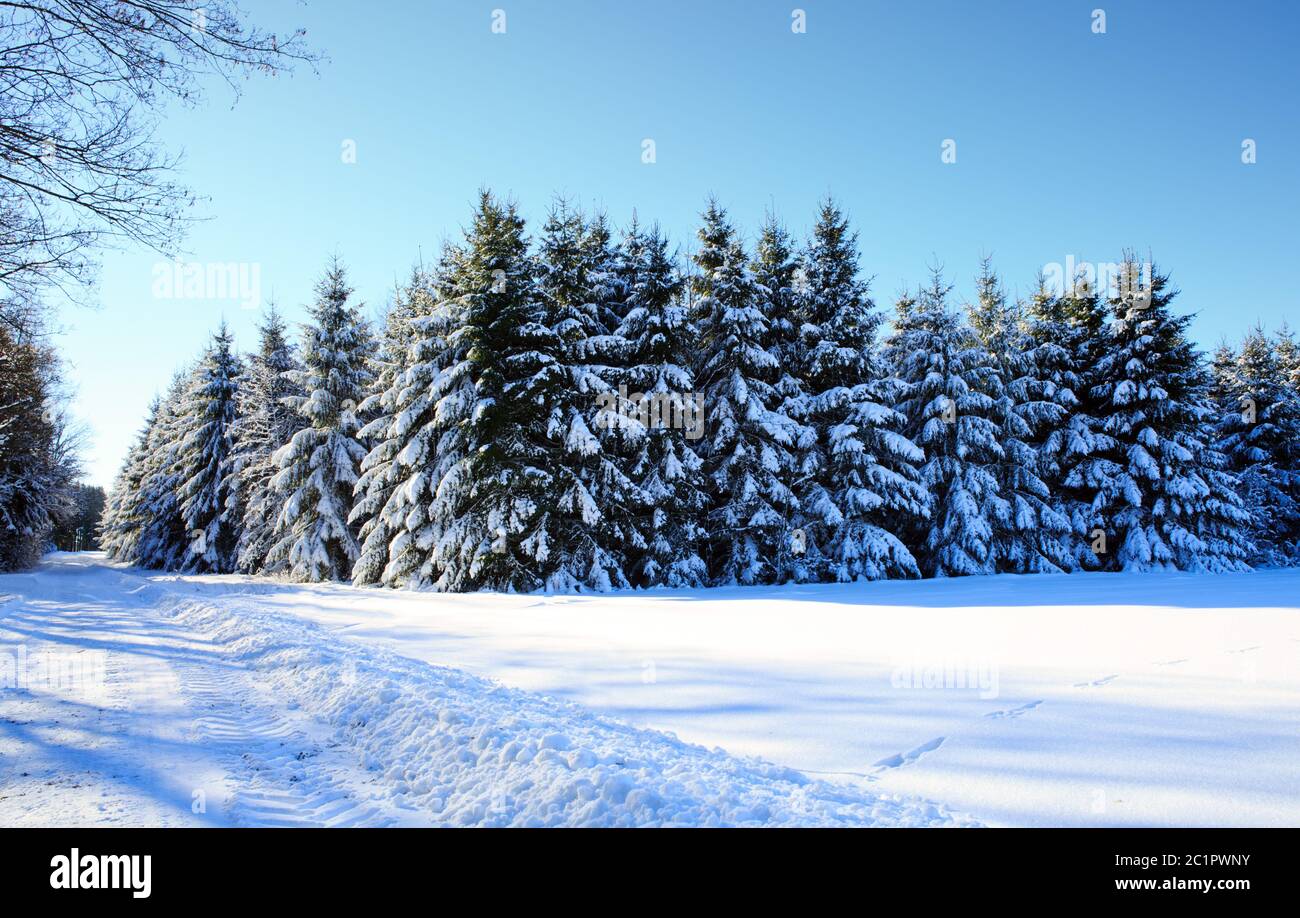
[126, 699]
[1157, 699]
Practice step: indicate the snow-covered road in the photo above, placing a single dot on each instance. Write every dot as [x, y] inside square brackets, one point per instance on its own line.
[127, 699]
[127, 715]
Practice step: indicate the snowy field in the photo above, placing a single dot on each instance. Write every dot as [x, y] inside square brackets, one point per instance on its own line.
[1154, 699]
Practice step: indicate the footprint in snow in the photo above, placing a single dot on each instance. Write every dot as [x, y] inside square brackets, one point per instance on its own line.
[1015, 712]
[1104, 680]
[907, 758]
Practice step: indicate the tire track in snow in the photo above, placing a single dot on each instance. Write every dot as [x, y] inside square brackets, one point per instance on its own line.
[278, 775]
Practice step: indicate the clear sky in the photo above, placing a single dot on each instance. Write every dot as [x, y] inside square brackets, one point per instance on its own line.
[1069, 143]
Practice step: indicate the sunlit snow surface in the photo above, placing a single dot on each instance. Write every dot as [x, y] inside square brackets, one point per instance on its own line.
[1151, 699]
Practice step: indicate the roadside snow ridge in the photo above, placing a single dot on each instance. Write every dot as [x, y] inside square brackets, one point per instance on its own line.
[449, 748]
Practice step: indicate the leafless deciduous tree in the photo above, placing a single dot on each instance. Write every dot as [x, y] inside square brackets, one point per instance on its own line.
[82, 85]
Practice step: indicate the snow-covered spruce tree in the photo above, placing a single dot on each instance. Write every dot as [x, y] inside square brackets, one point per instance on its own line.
[205, 460]
[405, 462]
[1171, 503]
[944, 371]
[863, 492]
[37, 470]
[576, 289]
[163, 540]
[1288, 356]
[1030, 534]
[663, 463]
[1223, 373]
[1258, 430]
[778, 276]
[781, 278]
[318, 466]
[119, 529]
[747, 447]
[506, 509]
[264, 423]
[1069, 336]
[604, 267]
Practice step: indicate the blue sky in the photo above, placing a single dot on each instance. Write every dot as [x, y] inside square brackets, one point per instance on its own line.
[1069, 144]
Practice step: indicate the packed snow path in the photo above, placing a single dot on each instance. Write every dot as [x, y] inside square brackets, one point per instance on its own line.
[131, 700]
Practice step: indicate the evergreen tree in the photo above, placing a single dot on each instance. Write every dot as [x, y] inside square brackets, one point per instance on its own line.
[605, 276]
[862, 489]
[1288, 357]
[265, 422]
[508, 512]
[162, 542]
[405, 462]
[1169, 502]
[318, 466]
[205, 458]
[576, 288]
[1259, 432]
[1069, 337]
[120, 526]
[945, 374]
[1223, 373]
[662, 463]
[1028, 529]
[37, 466]
[778, 277]
[747, 453]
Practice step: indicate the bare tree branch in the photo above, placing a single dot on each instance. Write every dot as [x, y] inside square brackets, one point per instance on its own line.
[82, 85]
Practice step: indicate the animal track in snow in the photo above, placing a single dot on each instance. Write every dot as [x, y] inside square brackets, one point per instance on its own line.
[907, 758]
[1015, 712]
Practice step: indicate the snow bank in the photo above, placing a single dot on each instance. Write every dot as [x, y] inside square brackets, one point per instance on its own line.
[468, 751]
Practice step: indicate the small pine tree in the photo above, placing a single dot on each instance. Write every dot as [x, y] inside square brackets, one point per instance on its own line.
[318, 466]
